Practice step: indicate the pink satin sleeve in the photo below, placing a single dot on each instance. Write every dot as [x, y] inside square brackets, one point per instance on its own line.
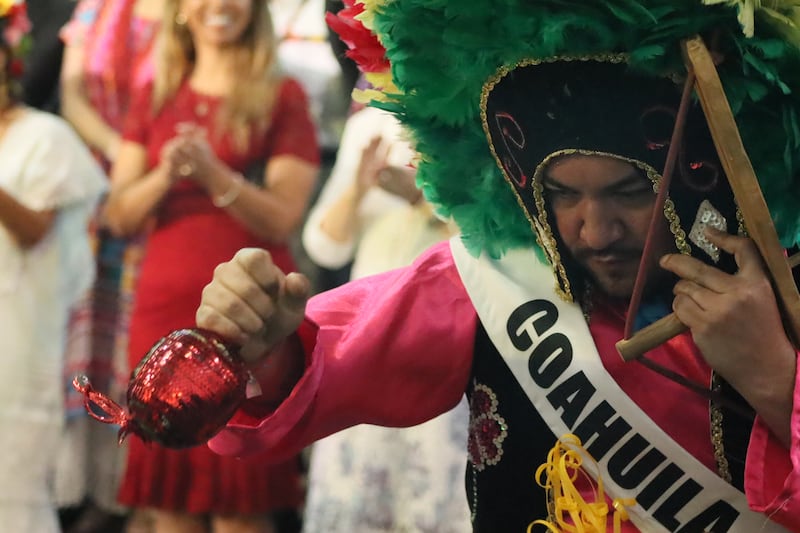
[772, 473]
[393, 349]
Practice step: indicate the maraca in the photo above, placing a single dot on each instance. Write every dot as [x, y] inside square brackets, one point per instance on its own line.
[182, 392]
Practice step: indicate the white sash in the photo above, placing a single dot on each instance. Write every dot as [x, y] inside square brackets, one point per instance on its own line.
[499, 288]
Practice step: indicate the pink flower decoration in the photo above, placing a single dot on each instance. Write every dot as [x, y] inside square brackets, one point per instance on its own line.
[487, 429]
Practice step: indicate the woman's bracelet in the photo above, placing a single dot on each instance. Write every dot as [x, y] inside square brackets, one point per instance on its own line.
[228, 197]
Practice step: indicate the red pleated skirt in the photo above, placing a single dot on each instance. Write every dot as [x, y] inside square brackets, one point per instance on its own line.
[179, 261]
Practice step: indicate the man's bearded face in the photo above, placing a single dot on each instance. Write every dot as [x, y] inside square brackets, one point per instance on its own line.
[602, 208]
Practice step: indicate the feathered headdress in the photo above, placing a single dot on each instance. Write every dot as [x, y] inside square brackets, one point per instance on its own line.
[442, 53]
[364, 49]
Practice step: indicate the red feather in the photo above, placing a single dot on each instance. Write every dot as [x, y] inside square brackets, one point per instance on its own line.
[364, 47]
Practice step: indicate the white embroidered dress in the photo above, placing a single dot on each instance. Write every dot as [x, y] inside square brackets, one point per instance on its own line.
[43, 165]
[370, 479]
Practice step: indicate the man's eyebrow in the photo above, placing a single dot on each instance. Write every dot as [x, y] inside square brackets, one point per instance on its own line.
[551, 183]
[634, 178]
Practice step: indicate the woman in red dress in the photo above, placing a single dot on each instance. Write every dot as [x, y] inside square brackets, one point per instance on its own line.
[219, 154]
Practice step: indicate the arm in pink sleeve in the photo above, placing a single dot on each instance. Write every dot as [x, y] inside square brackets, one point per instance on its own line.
[772, 473]
[393, 349]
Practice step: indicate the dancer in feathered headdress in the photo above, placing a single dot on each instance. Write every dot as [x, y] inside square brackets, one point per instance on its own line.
[568, 142]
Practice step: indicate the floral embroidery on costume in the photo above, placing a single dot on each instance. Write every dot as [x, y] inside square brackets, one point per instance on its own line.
[487, 429]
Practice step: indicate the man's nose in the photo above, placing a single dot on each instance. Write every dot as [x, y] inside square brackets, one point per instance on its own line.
[600, 226]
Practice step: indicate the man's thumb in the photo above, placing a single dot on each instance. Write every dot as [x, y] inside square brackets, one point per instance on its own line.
[297, 290]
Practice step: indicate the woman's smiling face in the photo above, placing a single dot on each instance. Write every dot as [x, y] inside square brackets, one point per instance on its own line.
[219, 23]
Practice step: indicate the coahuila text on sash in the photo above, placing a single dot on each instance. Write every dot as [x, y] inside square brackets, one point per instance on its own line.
[601, 428]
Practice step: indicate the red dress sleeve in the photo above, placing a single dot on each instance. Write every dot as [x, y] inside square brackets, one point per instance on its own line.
[292, 130]
[139, 118]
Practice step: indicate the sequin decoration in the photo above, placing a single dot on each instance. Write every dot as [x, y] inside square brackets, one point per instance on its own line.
[181, 394]
[487, 429]
[707, 217]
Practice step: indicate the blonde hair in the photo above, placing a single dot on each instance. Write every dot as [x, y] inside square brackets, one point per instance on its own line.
[247, 107]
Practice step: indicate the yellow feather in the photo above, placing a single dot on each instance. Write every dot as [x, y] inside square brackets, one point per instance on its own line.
[782, 15]
[5, 5]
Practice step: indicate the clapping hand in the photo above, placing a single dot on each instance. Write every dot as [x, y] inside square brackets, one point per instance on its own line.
[188, 155]
[374, 170]
[400, 181]
[373, 160]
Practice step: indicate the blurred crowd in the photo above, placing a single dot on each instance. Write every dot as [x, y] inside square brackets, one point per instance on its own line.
[142, 142]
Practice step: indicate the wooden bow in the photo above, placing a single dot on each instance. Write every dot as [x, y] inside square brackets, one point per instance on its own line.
[749, 198]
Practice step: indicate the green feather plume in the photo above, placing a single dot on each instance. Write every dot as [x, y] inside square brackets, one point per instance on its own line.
[442, 52]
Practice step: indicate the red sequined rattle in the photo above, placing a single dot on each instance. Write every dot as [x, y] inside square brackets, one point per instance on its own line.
[181, 394]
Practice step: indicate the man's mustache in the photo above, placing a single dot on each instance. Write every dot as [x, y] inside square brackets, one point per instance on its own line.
[623, 252]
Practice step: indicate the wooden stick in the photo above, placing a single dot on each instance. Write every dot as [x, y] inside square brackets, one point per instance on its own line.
[662, 330]
[749, 197]
[649, 337]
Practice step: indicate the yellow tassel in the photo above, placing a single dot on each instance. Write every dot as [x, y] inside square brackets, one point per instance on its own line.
[568, 511]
